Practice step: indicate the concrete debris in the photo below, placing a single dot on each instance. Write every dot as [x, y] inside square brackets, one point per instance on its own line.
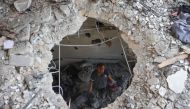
[161, 47]
[79, 85]
[162, 91]
[159, 59]
[59, 16]
[45, 14]
[86, 72]
[176, 82]
[162, 102]
[23, 47]
[65, 9]
[8, 44]
[24, 34]
[22, 5]
[23, 64]
[169, 106]
[153, 81]
[152, 106]
[21, 60]
[172, 51]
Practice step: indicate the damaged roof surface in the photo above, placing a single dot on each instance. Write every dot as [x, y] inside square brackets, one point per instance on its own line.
[30, 28]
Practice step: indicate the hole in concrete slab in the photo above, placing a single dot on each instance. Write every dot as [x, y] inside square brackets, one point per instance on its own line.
[77, 66]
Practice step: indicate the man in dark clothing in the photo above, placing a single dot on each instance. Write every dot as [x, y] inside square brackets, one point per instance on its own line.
[98, 83]
[99, 79]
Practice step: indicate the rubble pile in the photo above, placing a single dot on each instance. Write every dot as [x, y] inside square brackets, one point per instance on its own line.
[30, 28]
[75, 83]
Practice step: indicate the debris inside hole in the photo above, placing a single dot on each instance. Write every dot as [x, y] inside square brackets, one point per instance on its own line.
[79, 68]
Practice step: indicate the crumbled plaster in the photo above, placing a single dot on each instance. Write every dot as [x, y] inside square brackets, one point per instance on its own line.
[43, 23]
[176, 82]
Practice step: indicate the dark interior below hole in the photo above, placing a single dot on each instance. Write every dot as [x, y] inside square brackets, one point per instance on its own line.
[75, 78]
[77, 64]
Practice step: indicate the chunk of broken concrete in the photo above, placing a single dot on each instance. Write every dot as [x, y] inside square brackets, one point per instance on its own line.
[162, 91]
[59, 16]
[161, 47]
[22, 5]
[153, 81]
[8, 44]
[21, 60]
[65, 9]
[162, 102]
[176, 82]
[23, 47]
[159, 59]
[169, 106]
[44, 15]
[24, 34]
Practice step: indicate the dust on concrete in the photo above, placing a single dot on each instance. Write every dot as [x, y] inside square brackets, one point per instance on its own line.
[44, 23]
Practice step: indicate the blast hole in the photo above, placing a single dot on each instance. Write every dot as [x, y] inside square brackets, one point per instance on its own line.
[77, 66]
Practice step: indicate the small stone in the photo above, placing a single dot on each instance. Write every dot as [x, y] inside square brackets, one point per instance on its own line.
[172, 97]
[45, 14]
[6, 97]
[159, 59]
[176, 82]
[172, 52]
[34, 28]
[22, 5]
[161, 47]
[17, 106]
[169, 106]
[58, 15]
[151, 26]
[24, 34]
[153, 81]
[26, 94]
[162, 102]
[151, 37]
[8, 44]
[21, 60]
[157, 86]
[14, 87]
[162, 91]
[152, 106]
[65, 9]
[19, 77]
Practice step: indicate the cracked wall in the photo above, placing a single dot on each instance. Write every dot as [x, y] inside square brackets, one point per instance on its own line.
[35, 26]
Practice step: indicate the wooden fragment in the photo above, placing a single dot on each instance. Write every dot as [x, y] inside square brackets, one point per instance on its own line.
[172, 60]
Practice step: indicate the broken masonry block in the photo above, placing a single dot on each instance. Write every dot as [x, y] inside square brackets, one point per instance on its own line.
[23, 47]
[24, 34]
[22, 5]
[21, 60]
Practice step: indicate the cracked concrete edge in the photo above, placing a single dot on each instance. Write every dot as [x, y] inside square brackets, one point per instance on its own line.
[138, 95]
